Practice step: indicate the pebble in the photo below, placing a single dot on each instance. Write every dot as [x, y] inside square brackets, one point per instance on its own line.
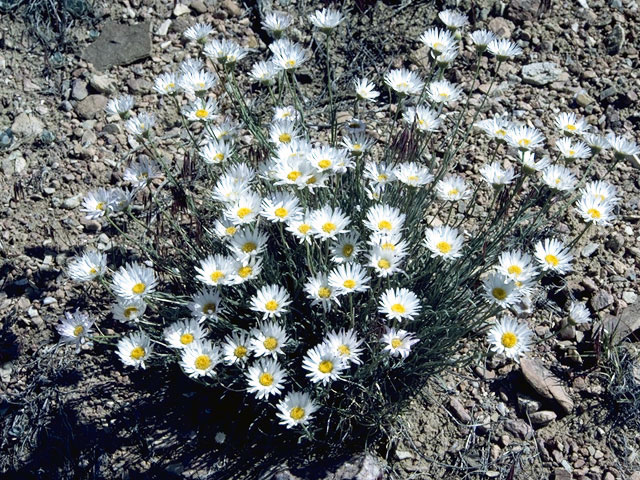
[79, 89]
[541, 73]
[102, 83]
[91, 106]
[180, 9]
[199, 6]
[545, 383]
[543, 417]
[583, 99]
[27, 125]
[163, 28]
[519, 428]
[49, 301]
[601, 300]
[629, 297]
[71, 203]
[459, 411]
[589, 249]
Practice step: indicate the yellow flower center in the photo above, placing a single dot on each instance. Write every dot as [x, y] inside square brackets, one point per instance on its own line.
[349, 284]
[294, 175]
[383, 177]
[347, 250]
[202, 362]
[501, 132]
[284, 138]
[93, 271]
[129, 311]
[412, 178]
[600, 197]
[297, 413]
[186, 338]
[100, 206]
[169, 86]
[388, 246]
[509, 339]
[572, 153]
[243, 212]
[78, 330]
[137, 353]
[499, 293]
[523, 142]
[270, 343]
[356, 146]
[324, 292]
[402, 85]
[514, 270]
[384, 263]
[344, 350]
[200, 84]
[216, 276]
[437, 46]
[240, 351]
[453, 192]
[271, 305]
[290, 63]
[231, 230]
[325, 366]
[281, 212]
[265, 379]
[552, 260]
[329, 227]
[443, 247]
[209, 308]
[138, 288]
[571, 127]
[245, 271]
[218, 157]
[396, 342]
[202, 113]
[398, 308]
[594, 213]
[304, 228]
[249, 247]
[324, 163]
[311, 180]
[444, 94]
[384, 225]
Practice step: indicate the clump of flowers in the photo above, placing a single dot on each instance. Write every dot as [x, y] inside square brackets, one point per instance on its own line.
[327, 273]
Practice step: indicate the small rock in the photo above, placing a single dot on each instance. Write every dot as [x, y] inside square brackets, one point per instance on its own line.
[519, 428]
[615, 243]
[102, 83]
[522, 10]
[49, 301]
[459, 411]
[5, 372]
[545, 383]
[629, 297]
[589, 249]
[501, 27]
[91, 225]
[485, 373]
[163, 28]
[623, 325]
[91, 106]
[366, 467]
[601, 300]
[543, 417]
[232, 8]
[403, 454]
[561, 474]
[528, 404]
[79, 90]
[583, 99]
[180, 9]
[608, 92]
[13, 163]
[199, 6]
[71, 203]
[27, 125]
[540, 73]
[615, 40]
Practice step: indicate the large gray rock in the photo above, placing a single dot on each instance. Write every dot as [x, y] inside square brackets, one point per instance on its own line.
[620, 327]
[521, 10]
[119, 44]
[540, 73]
[545, 383]
[27, 125]
[91, 106]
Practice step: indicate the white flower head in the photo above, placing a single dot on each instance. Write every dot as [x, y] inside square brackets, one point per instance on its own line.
[496, 176]
[276, 23]
[323, 364]
[216, 270]
[216, 151]
[579, 313]
[453, 19]
[503, 49]
[346, 345]
[135, 349]
[399, 304]
[601, 190]
[570, 124]
[404, 82]
[301, 228]
[281, 207]
[496, 128]
[236, 348]
[134, 281]
[596, 142]
[571, 150]
[443, 91]
[501, 290]
[398, 343]
[287, 55]
[266, 377]
[349, 278]
[245, 209]
[248, 243]
[166, 84]
[345, 248]
[326, 20]
[120, 106]
[382, 218]
[320, 292]
[142, 172]
[75, 329]
[199, 359]
[452, 188]
[357, 143]
[226, 52]
[365, 90]
[593, 210]
[296, 409]
[516, 265]
[510, 338]
[424, 119]
[197, 82]
[329, 222]
[202, 110]
[444, 242]
[529, 163]
[198, 32]
[271, 301]
[264, 72]
[413, 174]
[482, 38]
[384, 261]
[128, 310]
[141, 125]
[88, 266]
[183, 333]
[283, 131]
[205, 305]
[559, 178]
[268, 338]
[97, 203]
[438, 40]
[553, 256]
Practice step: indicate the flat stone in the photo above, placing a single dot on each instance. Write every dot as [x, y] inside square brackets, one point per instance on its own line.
[623, 325]
[163, 28]
[589, 249]
[102, 83]
[232, 8]
[545, 383]
[13, 163]
[199, 6]
[522, 10]
[79, 89]
[459, 411]
[71, 203]
[119, 44]
[615, 40]
[601, 300]
[629, 297]
[181, 9]
[91, 106]
[583, 99]
[26, 125]
[543, 417]
[501, 27]
[528, 404]
[519, 428]
[541, 73]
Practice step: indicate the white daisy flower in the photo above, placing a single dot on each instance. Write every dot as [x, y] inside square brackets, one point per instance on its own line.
[191, 64]
[166, 84]
[596, 143]
[622, 147]
[198, 32]
[248, 243]
[323, 364]
[287, 55]
[329, 223]
[280, 207]
[224, 229]
[320, 292]
[399, 304]
[266, 377]
[413, 174]
[349, 278]
[271, 301]
[365, 90]
[205, 305]
[482, 38]
[438, 40]
[503, 49]
[385, 262]
[128, 310]
[354, 125]
[225, 131]
[389, 242]
[593, 210]
[197, 82]
[579, 313]
[296, 409]
[380, 174]
[384, 219]
[496, 176]
[226, 52]
[404, 82]
[453, 20]
[345, 344]
[357, 143]
[525, 138]
[141, 125]
[500, 290]
[288, 112]
[121, 199]
[570, 124]
[245, 209]
[516, 265]
[601, 190]
[264, 72]
[202, 110]
[301, 228]
[326, 158]
[134, 281]
[398, 342]
[423, 118]
[452, 188]
[120, 106]
[97, 203]
[88, 266]
[444, 242]
[571, 150]
[216, 270]
[443, 91]
[142, 172]
[229, 191]
[326, 20]
[496, 128]
[247, 270]
[552, 255]
[510, 338]
[215, 151]
[283, 131]
[135, 349]
[345, 248]
[236, 348]
[530, 165]
[559, 178]
[75, 329]
[183, 333]
[276, 23]
[199, 359]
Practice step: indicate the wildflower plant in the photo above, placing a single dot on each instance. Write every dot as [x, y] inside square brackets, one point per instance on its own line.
[328, 270]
